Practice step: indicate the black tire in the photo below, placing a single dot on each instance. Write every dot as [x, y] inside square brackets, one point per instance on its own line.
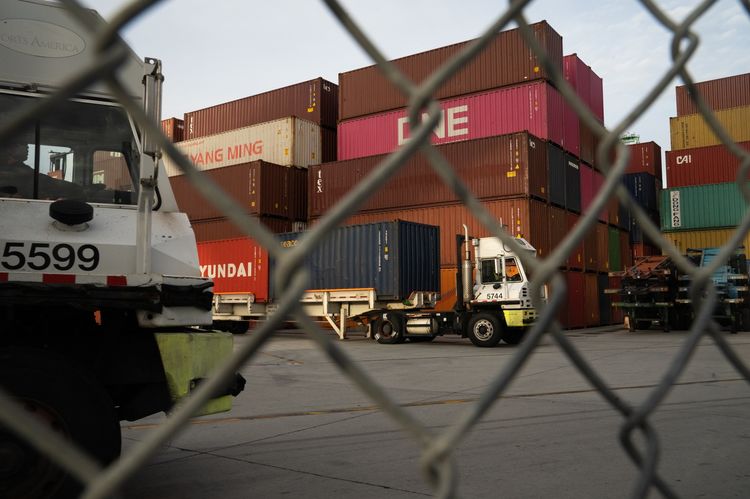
[421, 339]
[485, 330]
[388, 329]
[513, 336]
[71, 403]
[237, 327]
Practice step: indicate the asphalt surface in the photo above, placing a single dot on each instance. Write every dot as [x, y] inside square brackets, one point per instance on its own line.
[302, 429]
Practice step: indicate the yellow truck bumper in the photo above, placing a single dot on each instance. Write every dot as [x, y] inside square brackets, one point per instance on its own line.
[191, 357]
[519, 318]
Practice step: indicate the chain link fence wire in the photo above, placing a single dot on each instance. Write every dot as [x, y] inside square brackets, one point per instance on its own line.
[438, 460]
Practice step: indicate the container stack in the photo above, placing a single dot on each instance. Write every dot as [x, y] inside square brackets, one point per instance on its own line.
[702, 203]
[258, 149]
[643, 179]
[509, 136]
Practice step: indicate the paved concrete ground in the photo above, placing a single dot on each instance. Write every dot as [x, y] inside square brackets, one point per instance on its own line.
[301, 429]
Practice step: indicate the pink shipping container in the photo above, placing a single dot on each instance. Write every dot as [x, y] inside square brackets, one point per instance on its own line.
[506, 60]
[702, 165]
[235, 266]
[262, 188]
[314, 100]
[535, 107]
[722, 93]
[288, 141]
[503, 166]
[587, 84]
[645, 157]
[523, 217]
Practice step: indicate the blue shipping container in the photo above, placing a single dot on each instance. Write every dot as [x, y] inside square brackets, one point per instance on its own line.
[395, 258]
[643, 188]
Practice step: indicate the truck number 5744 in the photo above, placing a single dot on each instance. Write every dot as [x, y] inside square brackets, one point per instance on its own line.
[43, 256]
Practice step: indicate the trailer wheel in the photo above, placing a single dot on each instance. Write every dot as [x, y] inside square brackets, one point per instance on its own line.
[70, 403]
[389, 329]
[485, 330]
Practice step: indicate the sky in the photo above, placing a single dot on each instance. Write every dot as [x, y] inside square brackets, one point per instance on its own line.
[221, 50]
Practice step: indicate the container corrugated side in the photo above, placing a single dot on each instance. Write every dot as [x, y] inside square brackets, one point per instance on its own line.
[573, 198]
[503, 166]
[722, 93]
[692, 130]
[702, 165]
[534, 107]
[605, 302]
[644, 188]
[262, 188]
[395, 258]
[591, 299]
[558, 227]
[697, 239]
[586, 83]
[235, 266]
[223, 228]
[173, 128]
[645, 157]
[523, 217]
[505, 61]
[313, 100]
[288, 141]
[576, 260]
[702, 207]
[575, 316]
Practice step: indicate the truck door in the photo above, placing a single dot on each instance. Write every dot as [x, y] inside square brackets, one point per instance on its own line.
[514, 279]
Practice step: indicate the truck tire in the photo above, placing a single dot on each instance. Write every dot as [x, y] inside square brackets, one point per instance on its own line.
[389, 329]
[485, 330]
[68, 401]
[513, 336]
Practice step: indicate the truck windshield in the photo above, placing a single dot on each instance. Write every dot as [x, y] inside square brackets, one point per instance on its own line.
[80, 150]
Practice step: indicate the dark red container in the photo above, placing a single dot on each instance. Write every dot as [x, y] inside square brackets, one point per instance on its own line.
[558, 228]
[577, 258]
[644, 249]
[505, 61]
[645, 157]
[626, 250]
[223, 228]
[524, 217]
[702, 165]
[505, 166]
[235, 266]
[722, 93]
[591, 299]
[262, 188]
[314, 100]
[575, 306]
[173, 128]
[602, 248]
[533, 107]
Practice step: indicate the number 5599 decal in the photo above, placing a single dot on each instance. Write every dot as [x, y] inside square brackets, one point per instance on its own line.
[44, 256]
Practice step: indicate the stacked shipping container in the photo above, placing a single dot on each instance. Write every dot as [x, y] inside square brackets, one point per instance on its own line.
[257, 149]
[643, 179]
[703, 202]
[509, 136]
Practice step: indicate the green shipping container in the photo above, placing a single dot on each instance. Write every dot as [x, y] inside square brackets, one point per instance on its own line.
[615, 255]
[701, 207]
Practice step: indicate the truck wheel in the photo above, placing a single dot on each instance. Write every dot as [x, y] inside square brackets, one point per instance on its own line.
[485, 330]
[66, 400]
[389, 329]
[237, 327]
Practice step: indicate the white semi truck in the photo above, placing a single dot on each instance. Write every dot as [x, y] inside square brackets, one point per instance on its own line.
[100, 289]
[493, 299]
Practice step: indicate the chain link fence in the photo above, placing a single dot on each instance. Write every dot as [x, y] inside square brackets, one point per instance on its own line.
[437, 458]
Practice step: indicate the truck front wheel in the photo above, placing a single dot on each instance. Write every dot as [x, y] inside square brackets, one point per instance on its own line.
[485, 330]
[67, 401]
[389, 329]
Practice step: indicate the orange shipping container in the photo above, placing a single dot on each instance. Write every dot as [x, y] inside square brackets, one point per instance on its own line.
[524, 217]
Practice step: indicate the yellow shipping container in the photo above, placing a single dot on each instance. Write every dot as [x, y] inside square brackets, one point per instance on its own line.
[692, 130]
[703, 239]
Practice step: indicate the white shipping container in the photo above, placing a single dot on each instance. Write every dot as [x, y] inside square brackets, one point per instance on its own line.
[289, 141]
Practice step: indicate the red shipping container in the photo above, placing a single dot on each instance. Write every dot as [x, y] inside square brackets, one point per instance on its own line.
[262, 188]
[644, 249]
[506, 60]
[645, 157]
[591, 299]
[522, 217]
[504, 166]
[577, 258]
[586, 83]
[223, 228]
[722, 93]
[558, 228]
[576, 300]
[535, 107]
[235, 266]
[702, 165]
[591, 183]
[626, 250]
[602, 248]
[173, 128]
[314, 100]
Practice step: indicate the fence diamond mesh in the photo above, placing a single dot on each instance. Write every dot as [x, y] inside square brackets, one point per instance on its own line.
[438, 459]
